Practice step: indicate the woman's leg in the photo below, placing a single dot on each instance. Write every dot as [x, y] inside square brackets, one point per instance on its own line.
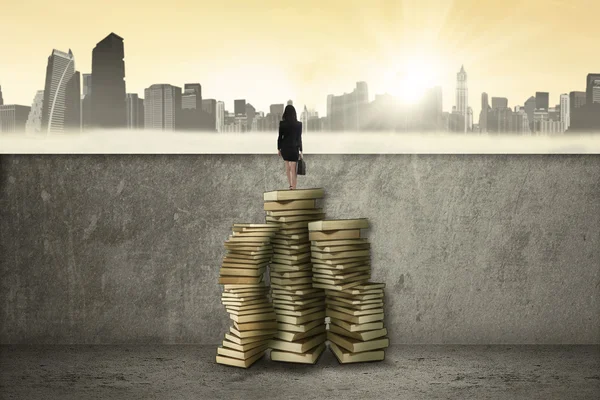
[288, 172]
[294, 173]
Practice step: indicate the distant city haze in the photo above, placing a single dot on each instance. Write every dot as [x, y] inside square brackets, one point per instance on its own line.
[270, 51]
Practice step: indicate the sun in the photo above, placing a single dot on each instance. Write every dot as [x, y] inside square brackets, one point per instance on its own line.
[410, 82]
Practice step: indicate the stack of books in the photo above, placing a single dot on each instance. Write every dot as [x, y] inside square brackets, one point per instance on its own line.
[299, 308]
[246, 295]
[341, 266]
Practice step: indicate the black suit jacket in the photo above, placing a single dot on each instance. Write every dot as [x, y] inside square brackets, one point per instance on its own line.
[290, 135]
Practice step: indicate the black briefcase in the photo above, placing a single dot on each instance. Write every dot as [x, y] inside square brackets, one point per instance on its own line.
[301, 167]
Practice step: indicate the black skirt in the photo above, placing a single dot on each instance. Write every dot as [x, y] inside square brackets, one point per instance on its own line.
[290, 153]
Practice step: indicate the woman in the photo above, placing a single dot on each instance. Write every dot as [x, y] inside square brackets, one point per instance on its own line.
[289, 143]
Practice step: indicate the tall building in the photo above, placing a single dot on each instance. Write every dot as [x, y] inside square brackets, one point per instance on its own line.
[34, 119]
[13, 118]
[108, 83]
[592, 89]
[192, 96]
[576, 100]
[209, 107]
[220, 117]
[162, 105]
[499, 102]
[565, 110]
[1, 99]
[483, 114]
[135, 111]
[542, 101]
[529, 107]
[250, 116]
[462, 95]
[86, 102]
[239, 107]
[62, 99]
[349, 110]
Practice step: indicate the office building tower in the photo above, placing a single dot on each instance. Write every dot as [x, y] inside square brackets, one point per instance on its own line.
[13, 118]
[135, 111]
[542, 101]
[462, 95]
[61, 108]
[592, 89]
[209, 108]
[239, 107]
[576, 100]
[162, 107]
[34, 119]
[529, 107]
[220, 117]
[499, 102]
[108, 84]
[86, 102]
[483, 114]
[349, 110]
[1, 98]
[565, 110]
[250, 115]
[192, 96]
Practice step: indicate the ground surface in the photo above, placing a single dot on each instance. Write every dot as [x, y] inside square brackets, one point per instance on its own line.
[409, 372]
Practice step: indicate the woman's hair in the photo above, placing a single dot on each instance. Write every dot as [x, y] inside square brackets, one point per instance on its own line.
[289, 114]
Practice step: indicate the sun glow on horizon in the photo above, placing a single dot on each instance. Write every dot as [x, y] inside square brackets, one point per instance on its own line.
[409, 81]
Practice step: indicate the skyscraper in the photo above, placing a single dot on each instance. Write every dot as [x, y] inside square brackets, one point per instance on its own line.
[542, 100]
[348, 111]
[462, 95]
[529, 107]
[565, 110]
[34, 120]
[499, 102]
[483, 115]
[86, 102]
[192, 96]
[239, 107]
[576, 100]
[162, 106]
[61, 104]
[108, 83]
[220, 117]
[135, 111]
[13, 118]
[1, 99]
[592, 89]
[209, 107]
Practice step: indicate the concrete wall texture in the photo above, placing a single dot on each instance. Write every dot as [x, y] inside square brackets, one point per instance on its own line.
[474, 249]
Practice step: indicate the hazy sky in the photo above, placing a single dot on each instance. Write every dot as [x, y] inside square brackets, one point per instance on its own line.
[271, 51]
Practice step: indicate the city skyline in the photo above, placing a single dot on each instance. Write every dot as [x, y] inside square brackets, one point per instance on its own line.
[508, 51]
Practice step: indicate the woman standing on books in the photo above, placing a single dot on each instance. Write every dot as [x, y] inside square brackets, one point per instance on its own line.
[289, 143]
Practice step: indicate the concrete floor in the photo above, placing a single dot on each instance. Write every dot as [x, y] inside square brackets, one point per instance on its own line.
[409, 372]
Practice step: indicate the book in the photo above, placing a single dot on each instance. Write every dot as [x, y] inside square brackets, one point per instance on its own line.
[289, 205]
[235, 362]
[357, 346]
[300, 346]
[339, 224]
[309, 357]
[332, 235]
[298, 194]
[346, 357]
[242, 355]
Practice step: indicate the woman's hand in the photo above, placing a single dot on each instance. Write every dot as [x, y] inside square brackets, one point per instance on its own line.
[279, 153]
[300, 155]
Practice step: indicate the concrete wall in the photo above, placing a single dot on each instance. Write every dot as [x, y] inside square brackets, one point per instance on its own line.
[126, 248]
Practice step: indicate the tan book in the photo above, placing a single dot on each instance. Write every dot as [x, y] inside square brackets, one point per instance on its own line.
[301, 346]
[316, 294]
[294, 218]
[378, 305]
[340, 267]
[280, 261]
[340, 273]
[309, 357]
[356, 303]
[250, 307]
[264, 234]
[291, 274]
[300, 328]
[291, 252]
[245, 347]
[292, 288]
[286, 319]
[361, 336]
[342, 254]
[357, 346]
[370, 286]
[350, 327]
[234, 362]
[241, 271]
[273, 228]
[300, 313]
[255, 326]
[255, 301]
[300, 237]
[340, 294]
[244, 259]
[289, 205]
[294, 257]
[340, 262]
[251, 239]
[339, 224]
[356, 313]
[243, 265]
[244, 285]
[243, 247]
[334, 280]
[232, 338]
[303, 292]
[289, 307]
[333, 235]
[242, 319]
[252, 333]
[346, 357]
[298, 194]
[303, 302]
[303, 246]
[319, 285]
[245, 291]
[241, 313]
[353, 319]
[295, 336]
[294, 212]
[291, 281]
[337, 249]
[290, 242]
[339, 242]
[261, 253]
[241, 355]
[254, 226]
[237, 279]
